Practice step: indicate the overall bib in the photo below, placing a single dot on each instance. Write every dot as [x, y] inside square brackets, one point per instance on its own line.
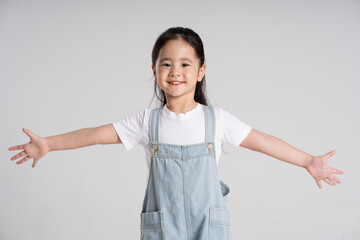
[184, 198]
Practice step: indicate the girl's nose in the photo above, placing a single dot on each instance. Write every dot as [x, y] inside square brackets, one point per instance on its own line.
[174, 71]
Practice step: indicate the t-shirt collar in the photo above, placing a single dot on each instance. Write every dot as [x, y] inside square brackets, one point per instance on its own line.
[189, 114]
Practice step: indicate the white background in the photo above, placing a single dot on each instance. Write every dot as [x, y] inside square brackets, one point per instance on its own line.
[287, 68]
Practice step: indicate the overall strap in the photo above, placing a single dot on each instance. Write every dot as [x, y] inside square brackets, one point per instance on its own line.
[154, 125]
[210, 123]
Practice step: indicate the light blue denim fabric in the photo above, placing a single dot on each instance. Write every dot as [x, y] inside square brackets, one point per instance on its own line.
[184, 198]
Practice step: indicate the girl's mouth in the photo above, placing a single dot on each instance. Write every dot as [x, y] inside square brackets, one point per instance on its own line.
[174, 83]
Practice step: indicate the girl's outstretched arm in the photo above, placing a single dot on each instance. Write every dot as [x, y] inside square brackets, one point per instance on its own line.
[277, 148]
[38, 146]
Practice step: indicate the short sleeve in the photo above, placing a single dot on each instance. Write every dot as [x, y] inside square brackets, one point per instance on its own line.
[234, 130]
[130, 129]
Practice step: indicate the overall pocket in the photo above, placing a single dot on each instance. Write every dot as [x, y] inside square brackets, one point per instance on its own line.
[219, 224]
[151, 226]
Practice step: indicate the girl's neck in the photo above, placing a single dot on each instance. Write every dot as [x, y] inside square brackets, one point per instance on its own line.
[181, 107]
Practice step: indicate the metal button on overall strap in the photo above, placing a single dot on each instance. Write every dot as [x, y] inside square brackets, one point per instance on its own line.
[209, 147]
[154, 146]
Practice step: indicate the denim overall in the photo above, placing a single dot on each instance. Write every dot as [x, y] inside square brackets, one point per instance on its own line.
[184, 198]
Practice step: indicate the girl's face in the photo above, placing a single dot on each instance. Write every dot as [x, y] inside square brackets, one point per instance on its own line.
[177, 70]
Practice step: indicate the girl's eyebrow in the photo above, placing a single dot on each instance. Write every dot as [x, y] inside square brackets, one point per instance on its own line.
[169, 59]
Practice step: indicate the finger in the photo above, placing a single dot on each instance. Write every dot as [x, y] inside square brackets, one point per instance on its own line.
[337, 171]
[329, 182]
[23, 160]
[333, 178]
[34, 162]
[29, 133]
[328, 155]
[331, 153]
[18, 155]
[18, 147]
[318, 182]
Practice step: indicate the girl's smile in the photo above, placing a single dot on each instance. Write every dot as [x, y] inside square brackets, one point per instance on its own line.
[175, 83]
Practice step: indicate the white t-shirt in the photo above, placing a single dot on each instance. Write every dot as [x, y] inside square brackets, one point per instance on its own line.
[181, 128]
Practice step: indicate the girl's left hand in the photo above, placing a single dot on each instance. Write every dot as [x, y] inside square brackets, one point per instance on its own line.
[318, 168]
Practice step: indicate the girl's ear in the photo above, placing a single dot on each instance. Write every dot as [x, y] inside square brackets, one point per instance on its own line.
[153, 68]
[201, 72]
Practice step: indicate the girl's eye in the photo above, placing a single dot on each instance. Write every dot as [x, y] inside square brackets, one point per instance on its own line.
[168, 65]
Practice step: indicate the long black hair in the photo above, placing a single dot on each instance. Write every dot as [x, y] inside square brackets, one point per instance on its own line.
[194, 40]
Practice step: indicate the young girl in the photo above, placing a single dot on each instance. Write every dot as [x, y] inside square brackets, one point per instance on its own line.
[184, 199]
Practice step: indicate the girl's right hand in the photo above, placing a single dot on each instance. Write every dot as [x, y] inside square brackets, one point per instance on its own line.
[36, 148]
